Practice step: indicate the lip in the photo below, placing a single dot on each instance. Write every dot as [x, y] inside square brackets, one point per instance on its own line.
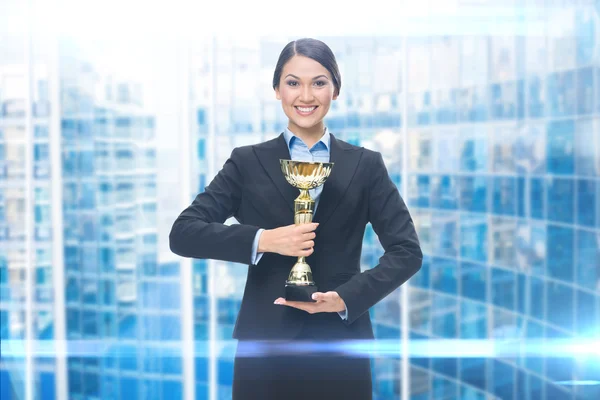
[303, 113]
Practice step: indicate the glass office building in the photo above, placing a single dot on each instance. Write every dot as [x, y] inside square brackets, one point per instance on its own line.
[493, 139]
[28, 244]
[116, 293]
[84, 161]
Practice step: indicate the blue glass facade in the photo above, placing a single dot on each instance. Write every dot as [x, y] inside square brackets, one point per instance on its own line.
[115, 291]
[26, 251]
[508, 217]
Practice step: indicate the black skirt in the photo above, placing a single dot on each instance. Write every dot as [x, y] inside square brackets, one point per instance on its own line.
[305, 368]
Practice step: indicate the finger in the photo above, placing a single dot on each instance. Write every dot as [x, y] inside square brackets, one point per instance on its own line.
[332, 296]
[324, 297]
[308, 244]
[318, 296]
[304, 253]
[309, 236]
[305, 228]
[300, 305]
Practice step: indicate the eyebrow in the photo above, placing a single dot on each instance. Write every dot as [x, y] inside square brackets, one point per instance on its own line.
[315, 78]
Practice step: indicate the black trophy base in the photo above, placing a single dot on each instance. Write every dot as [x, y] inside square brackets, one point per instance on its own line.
[300, 293]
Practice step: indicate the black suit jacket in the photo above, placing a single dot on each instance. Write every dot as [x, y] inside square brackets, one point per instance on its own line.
[251, 187]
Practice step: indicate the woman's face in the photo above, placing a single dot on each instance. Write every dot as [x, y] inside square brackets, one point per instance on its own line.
[306, 90]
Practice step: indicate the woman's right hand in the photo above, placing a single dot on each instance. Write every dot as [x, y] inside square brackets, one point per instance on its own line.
[291, 240]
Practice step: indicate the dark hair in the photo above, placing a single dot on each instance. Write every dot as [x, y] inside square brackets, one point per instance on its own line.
[311, 48]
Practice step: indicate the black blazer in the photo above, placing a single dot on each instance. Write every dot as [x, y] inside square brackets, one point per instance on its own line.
[251, 187]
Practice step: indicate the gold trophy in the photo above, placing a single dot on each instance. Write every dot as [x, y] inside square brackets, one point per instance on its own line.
[304, 176]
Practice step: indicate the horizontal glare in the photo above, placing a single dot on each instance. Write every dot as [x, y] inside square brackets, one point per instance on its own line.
[433, 348]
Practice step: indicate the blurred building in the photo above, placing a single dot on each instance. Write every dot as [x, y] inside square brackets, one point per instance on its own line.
[503, 144]
[114, 293]
[27, 249]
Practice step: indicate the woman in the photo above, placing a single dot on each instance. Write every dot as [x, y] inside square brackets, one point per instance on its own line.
[286, 349]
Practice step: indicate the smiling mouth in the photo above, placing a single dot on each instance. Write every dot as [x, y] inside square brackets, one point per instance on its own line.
[305, 110]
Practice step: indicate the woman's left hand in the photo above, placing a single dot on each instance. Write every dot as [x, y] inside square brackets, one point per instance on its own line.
[326, 302]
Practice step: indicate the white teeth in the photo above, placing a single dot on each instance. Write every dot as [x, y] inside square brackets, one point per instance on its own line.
[304, 109]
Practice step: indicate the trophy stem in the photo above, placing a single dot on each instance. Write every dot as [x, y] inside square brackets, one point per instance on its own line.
[304, 195]
[303, 208]
[301, 274]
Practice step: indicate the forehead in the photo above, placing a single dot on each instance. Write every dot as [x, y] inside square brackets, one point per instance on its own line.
[304, 67]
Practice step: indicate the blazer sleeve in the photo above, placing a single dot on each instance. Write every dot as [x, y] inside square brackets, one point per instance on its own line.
[199, 231]
[394, 227]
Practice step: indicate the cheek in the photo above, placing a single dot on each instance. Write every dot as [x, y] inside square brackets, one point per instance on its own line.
[286, 97]
[325, 100]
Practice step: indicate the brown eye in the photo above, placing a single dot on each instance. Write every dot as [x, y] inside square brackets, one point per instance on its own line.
[320, 83]
[292, 83]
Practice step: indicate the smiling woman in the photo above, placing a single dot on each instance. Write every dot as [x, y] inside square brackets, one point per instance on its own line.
[306, 80]
[277, 357]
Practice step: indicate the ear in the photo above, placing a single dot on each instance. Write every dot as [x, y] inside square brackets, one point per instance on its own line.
[335, 95]
[277, 94]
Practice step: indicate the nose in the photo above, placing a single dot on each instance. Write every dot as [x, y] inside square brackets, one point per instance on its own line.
[306, 95]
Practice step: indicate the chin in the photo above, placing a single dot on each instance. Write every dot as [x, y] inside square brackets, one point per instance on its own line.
[307, 124]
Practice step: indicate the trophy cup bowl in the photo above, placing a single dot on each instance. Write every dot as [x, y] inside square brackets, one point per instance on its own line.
[305, 176]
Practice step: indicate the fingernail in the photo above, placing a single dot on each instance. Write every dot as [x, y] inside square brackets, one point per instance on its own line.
[314, 296]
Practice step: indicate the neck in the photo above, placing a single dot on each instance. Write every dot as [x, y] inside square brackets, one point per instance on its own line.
[309, 136]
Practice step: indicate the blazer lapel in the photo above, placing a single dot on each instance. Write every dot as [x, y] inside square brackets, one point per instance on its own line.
[269, 155]
[345, 159]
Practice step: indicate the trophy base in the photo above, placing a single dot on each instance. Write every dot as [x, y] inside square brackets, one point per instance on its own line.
[300, 293]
